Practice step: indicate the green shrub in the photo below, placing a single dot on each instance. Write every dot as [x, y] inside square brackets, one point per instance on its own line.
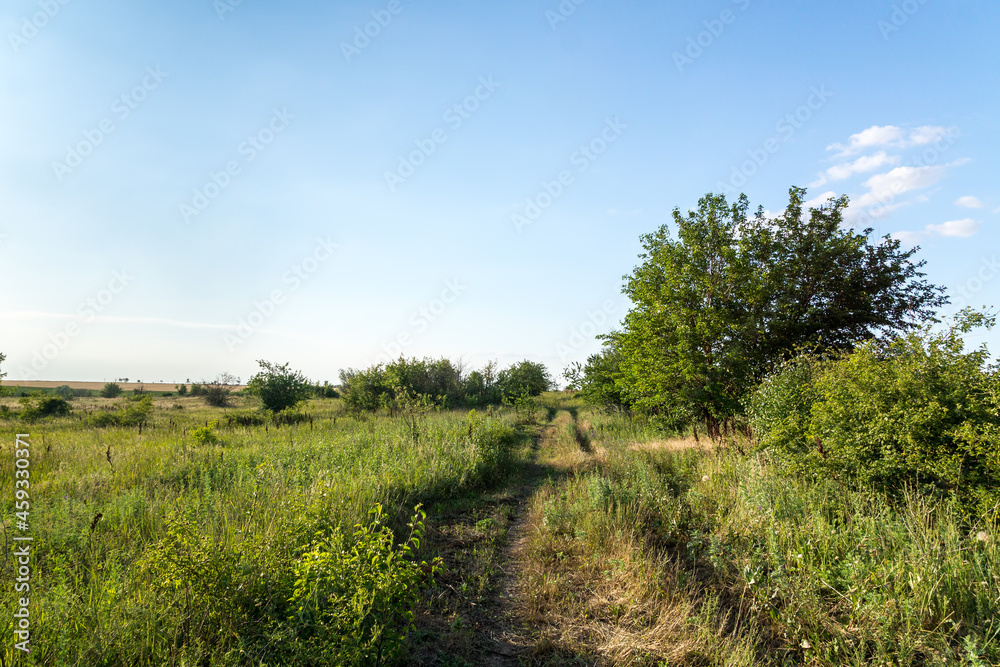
[40, 407]
[353, 598]
[217, 392]
[278, 387]
[182, 390]
[206, 435]
[919, 411]
[778, 411]
[64, 392]
[131, 412]
[111, 390]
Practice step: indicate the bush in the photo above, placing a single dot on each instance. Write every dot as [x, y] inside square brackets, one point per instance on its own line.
[197, 389]
[920, 411]
[182, 390]
[278, 387]
[217, 392]
[206, 435]
[64, 392]
[131, 412]
[43, 406]
[353, 598]
[111, 390]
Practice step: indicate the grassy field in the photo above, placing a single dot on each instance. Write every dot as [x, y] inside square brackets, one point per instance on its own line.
[552, 536]
[170, 548]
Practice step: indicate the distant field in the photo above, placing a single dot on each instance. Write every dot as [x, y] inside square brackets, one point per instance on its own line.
[127, 386]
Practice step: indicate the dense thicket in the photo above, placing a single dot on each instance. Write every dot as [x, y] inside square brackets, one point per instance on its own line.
[921, 411]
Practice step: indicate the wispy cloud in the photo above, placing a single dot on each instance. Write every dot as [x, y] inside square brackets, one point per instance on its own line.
[963, 229]
[39, 315]
[884, 188]
[891, 136]
[862, 165]
[969, 202]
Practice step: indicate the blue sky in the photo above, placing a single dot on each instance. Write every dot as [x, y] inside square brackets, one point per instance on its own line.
[194, 185]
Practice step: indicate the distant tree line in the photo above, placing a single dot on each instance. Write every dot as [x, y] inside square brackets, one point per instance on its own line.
[441, 382]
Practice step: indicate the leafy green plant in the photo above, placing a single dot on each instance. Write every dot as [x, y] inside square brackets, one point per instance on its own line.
[206, 435]
[353, 597]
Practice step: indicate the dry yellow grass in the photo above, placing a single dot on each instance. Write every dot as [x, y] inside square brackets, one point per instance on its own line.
[671, 445]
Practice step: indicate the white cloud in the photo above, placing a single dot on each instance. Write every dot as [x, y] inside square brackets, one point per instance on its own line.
[863, 164]
[873, 136]
[890, 135]
[909, 238]
[963, 228]
[884, 188]
[969, 202]
[928, 134]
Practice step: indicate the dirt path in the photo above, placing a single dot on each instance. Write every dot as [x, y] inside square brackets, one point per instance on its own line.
[477, 615]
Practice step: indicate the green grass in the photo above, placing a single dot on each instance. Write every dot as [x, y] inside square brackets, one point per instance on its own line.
[153, 550]
[767, 568]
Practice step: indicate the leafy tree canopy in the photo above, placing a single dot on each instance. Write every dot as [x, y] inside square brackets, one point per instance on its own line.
[719, 306]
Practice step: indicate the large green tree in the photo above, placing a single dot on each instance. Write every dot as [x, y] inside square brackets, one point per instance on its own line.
[716, 308]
